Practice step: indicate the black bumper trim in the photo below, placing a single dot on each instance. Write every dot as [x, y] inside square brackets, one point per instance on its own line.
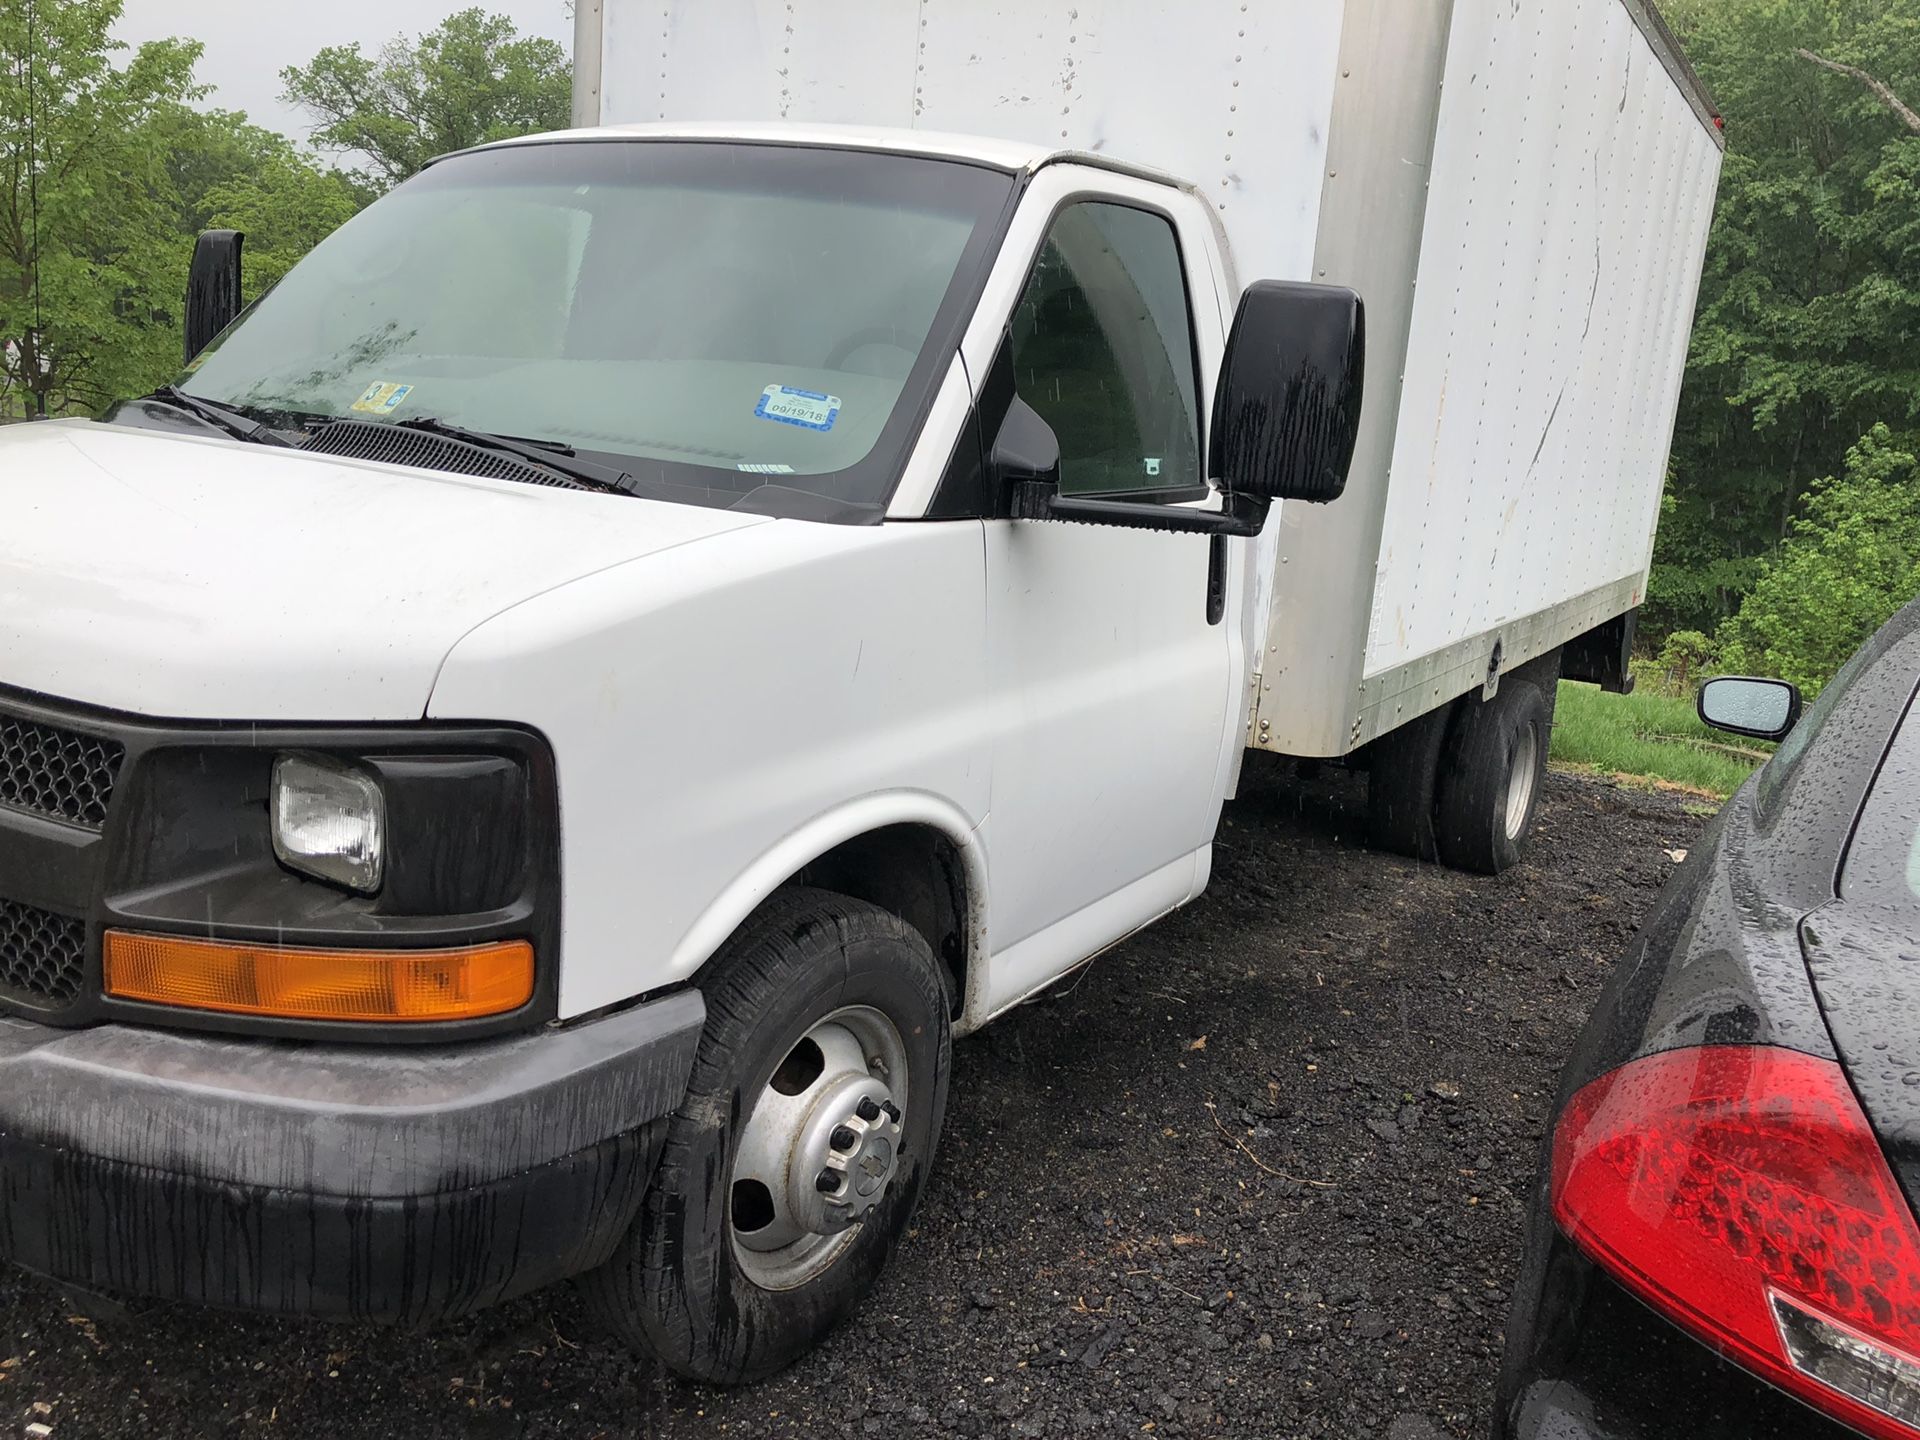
[110, 1226]
[400, 1184]
[352, 1121]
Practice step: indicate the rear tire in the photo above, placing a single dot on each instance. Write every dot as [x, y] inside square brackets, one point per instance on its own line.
[1403, 773]
[810, 974]
[1493, 772]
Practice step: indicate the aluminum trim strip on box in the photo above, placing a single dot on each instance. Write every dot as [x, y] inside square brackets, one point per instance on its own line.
[1390, 699]
[1666, 46]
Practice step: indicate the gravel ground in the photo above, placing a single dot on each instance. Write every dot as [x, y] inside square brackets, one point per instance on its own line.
[1258, 1172]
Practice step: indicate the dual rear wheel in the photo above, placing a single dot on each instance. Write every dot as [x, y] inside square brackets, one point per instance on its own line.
[1462, 784]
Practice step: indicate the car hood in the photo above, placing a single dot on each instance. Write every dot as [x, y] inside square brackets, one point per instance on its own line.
[203, 578]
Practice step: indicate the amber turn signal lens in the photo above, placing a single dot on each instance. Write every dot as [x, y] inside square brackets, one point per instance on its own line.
[294, 983]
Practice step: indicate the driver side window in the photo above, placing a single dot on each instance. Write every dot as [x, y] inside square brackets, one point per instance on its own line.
[1103, 350]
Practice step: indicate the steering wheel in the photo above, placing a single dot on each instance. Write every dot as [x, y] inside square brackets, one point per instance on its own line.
[872, 335]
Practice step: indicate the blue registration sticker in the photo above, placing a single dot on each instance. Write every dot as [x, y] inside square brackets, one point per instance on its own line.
[808, 409]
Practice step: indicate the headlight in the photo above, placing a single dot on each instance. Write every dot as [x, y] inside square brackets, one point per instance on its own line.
[329, 821]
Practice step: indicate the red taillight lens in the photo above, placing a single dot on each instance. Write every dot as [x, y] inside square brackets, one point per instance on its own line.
[1740, 1191]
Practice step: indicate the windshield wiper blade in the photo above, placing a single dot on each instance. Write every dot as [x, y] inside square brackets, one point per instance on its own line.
[221, 417]
[553, 455]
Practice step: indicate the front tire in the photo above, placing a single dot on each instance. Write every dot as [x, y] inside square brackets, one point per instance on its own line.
[826, 1057]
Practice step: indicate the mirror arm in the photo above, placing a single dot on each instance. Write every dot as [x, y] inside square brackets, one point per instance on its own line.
[1243, 516]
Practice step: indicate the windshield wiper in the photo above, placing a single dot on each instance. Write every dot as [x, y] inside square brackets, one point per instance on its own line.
[555, 456]
[221, 417]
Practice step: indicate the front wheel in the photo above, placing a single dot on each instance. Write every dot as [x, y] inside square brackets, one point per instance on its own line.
[808, 1129]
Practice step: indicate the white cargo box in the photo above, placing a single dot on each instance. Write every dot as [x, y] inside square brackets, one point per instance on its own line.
[1520, 189]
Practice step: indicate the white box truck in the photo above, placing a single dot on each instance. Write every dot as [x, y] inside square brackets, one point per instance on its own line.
[518, 762]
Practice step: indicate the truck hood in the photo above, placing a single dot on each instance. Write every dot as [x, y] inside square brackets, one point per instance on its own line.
[204, 578]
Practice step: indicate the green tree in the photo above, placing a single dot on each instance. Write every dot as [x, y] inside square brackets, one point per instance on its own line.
[1811, 294]
[283, 202]
[210, 151]
[1684, 658]
[1851, 560]
[1696, 579]
[89, 235]
[472, 80]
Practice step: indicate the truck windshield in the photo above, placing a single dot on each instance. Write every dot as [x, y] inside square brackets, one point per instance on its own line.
[715, 318]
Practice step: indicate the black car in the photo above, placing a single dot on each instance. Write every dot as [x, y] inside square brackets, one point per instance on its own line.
[1723, 1238]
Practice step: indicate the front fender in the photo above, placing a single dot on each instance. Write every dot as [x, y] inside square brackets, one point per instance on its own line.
[723, 712]
[794, 851]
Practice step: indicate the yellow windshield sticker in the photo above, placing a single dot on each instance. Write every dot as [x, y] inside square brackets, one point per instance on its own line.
[381, 398]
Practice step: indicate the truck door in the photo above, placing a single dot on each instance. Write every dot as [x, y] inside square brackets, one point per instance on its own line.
[1117, 685]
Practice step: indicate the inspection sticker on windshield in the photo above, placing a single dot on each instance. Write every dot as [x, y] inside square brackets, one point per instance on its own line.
[808, 409]
[381, 398]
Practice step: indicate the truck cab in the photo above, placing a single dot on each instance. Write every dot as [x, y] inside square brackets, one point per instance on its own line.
[596, 644]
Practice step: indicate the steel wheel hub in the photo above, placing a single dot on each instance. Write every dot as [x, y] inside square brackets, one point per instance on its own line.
[1521, 780]
[819, 1148]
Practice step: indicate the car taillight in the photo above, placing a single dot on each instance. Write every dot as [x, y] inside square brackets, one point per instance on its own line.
[1740, 1191]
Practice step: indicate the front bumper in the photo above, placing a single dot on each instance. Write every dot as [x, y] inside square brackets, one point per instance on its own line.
[409, 1184]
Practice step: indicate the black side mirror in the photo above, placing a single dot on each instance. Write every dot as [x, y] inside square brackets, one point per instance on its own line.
[213, 287]
[1026, 452]
[1286, 415]
[1739, 705]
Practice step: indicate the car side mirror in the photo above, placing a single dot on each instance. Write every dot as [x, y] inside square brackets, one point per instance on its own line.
[213, 287]
[1026, 451]
[1739, 705]
[1286, 413]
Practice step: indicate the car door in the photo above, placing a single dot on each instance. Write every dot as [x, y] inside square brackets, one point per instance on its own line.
[1115, 676]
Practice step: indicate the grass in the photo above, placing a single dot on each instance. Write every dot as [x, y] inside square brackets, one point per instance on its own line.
[1651, 737]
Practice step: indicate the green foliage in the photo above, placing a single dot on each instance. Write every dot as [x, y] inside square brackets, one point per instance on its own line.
[1811, 293]
[472, 80]
[284, 204]
[89, 254]
[1695, 582]
[1851, 561]
[102, 195]
[1685, 658]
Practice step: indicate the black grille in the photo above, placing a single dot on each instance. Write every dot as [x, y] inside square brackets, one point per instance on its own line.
[43, 956]
[62, 773]
[394, 445]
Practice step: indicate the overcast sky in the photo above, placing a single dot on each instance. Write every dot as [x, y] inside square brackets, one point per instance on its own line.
[249, 42]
